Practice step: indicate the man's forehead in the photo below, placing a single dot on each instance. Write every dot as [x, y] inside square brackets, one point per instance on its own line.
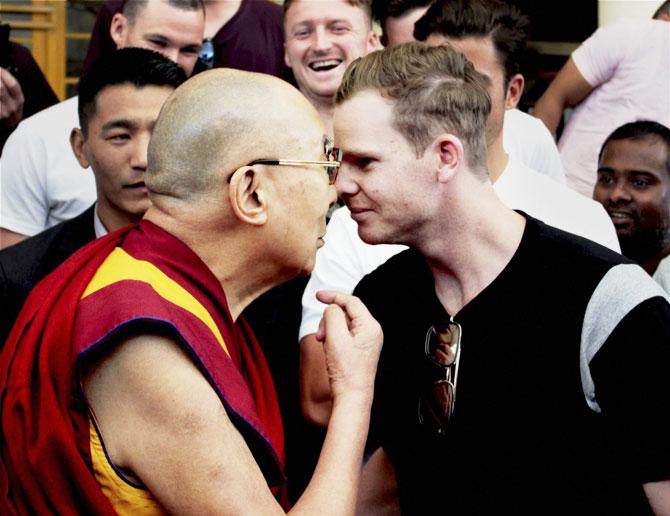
[650, 151]
[314, 11]
[479, 50]
[128, 95]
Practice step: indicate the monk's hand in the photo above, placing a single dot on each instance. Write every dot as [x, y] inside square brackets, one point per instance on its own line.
[352, 340]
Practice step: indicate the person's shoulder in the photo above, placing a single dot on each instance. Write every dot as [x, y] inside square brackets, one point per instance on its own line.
[49, 120]
[30, 260]
[573, 254]
[266, 12]
[523, 119]
[398, 273]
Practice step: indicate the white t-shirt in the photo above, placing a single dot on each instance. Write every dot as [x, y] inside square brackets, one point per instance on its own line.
[528, 139]
[627, 63]
[344, 259]
[662, 274]
[41, 181]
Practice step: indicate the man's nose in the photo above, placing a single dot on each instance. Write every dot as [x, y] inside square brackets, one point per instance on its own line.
[321, 41]
[620, 192]
[345, 183]
[332, 195]
[138, 159]
[172, 53]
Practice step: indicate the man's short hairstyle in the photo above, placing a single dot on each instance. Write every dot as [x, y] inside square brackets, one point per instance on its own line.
[133, 8]
[382, 9]
[502, 22]
[641, 130]
[136, 66]
[664, 9]
[365, 5]
[434, 89]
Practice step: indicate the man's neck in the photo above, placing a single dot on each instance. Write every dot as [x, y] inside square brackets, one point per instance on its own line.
[497, 158]
[651, 264]
[324, 106]
[217, 14]
[112, 219]
[466, 255]
[234, 256]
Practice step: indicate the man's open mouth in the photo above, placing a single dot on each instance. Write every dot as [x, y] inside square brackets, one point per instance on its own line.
[324, 65]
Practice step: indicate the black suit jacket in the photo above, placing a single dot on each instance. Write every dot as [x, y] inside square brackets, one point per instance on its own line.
[25, 264]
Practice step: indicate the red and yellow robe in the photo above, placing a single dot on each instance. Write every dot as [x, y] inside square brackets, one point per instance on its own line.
[135, 280]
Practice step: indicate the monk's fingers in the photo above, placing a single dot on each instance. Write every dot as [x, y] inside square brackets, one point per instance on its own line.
[352, 306]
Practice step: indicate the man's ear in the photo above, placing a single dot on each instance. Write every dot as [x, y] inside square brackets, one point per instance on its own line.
[247, 197]
[77, 142]
[118, 30]
[451, 156]
[373, 42]
[287, 61]
[514, 91]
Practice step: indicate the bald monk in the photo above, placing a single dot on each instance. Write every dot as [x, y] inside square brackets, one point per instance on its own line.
[131, 384]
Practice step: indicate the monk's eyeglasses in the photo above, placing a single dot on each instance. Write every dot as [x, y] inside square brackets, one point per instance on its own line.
[443, 348]
[331, 164]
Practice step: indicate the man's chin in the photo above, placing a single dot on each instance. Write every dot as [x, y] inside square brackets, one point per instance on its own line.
[641, 246]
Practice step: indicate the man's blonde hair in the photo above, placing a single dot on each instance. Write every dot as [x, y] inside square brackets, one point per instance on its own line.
[434, 89]
[364, 5]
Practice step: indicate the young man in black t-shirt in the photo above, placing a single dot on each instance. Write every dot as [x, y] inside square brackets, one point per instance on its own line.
[524, 369]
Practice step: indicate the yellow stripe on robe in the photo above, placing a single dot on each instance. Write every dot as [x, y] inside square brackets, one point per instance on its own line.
[119, 266]
[126, 499]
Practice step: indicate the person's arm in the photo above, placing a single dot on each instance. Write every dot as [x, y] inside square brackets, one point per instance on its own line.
[638, 415]
[159, 418]
[315, 396]
[567, 89]
[340, 265]
[378, 493]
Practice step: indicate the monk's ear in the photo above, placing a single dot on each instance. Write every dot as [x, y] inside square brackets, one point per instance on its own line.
[78, 142]
[247, 196]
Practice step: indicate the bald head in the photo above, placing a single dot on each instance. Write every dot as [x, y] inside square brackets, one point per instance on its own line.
[219, 121]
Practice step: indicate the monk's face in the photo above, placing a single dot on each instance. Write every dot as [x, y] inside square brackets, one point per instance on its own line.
[302, 199]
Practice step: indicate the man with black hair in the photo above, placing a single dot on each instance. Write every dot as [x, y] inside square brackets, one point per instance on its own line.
[42, 183]
[397, 18]
[633, 185]
[618, 75]
[492, 34]
[241, 34]
[119, 101]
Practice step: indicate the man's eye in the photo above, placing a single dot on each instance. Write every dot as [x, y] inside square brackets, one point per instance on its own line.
[159, 43]
[118, 137]
[363, 163]
[302, 33]
[339, 29]
[640, 184]
[605, 180]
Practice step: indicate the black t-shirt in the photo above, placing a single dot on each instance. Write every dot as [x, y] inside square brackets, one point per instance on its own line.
[523, 437]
